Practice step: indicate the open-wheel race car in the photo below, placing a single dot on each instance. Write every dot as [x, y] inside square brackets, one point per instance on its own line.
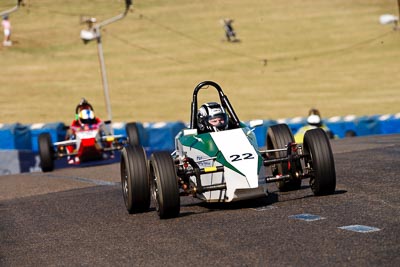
[90, 143]
[224, 166]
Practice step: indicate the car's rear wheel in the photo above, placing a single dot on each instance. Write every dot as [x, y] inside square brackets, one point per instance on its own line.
[164, 185]
[278, 136]
[135, 179]
[46, 152]
[320, 162]
[350, 133]
[132, 132]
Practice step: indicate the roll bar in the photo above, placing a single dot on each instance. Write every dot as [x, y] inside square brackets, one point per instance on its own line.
[224, 102]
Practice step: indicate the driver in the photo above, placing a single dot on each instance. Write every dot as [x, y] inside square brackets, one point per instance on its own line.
[313, 121]
[211, 117]
[84, 115]
[85, 119]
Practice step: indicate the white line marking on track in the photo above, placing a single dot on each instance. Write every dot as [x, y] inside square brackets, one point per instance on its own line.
[264, 208]
[306, 217]
[360, 228]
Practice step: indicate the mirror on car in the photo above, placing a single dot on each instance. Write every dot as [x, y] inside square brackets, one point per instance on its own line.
[189, 132]
[255, 123]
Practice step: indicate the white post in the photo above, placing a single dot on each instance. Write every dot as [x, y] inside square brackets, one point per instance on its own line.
[95, 33]
[103, 74]
[20, 2]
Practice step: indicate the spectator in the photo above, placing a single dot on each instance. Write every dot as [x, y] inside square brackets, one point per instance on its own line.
[7, 31]
[229, 32]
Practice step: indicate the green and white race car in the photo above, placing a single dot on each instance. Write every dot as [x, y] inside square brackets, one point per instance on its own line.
[224, 166]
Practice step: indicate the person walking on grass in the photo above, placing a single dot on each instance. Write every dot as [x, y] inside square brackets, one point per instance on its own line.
[7, 31]
[230, 33]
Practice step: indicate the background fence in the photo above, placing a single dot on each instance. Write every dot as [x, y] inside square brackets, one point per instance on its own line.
[19, 143]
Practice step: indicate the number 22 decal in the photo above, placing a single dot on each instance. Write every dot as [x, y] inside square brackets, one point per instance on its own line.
[240, 157]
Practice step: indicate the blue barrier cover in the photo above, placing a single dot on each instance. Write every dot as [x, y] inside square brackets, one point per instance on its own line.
[19, 144]
[367, 125]
[15, 136]
[57, 131]
[389, 124]
[162, 135]
[342, 126]
[27, 160]
[119, 128]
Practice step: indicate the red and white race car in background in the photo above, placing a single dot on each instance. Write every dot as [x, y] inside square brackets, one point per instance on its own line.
[90, 143]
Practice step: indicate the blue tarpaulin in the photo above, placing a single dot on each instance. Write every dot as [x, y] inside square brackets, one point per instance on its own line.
[162, 135]
[15, 136]
[57, 131]
[389, 124]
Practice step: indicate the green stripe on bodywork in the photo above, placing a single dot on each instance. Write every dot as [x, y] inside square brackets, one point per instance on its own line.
[206, 144]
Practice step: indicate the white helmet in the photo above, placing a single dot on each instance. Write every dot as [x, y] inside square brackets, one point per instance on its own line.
[212, 117]
[314, 117]
[314, 120]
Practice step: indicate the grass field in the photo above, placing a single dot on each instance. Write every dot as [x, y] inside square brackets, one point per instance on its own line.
[333, 55]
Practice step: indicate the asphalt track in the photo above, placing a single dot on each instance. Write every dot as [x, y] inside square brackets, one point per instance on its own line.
[76, 217]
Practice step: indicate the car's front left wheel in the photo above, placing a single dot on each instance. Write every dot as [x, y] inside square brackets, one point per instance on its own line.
[320, 162]
[164, 185]
[279, 136]
[135, 179]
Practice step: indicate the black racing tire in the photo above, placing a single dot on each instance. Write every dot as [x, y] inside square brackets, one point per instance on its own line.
[278, 136]
[46, 152]
[135, 180]
[132, 132]
[319, 159]
[164, 185]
